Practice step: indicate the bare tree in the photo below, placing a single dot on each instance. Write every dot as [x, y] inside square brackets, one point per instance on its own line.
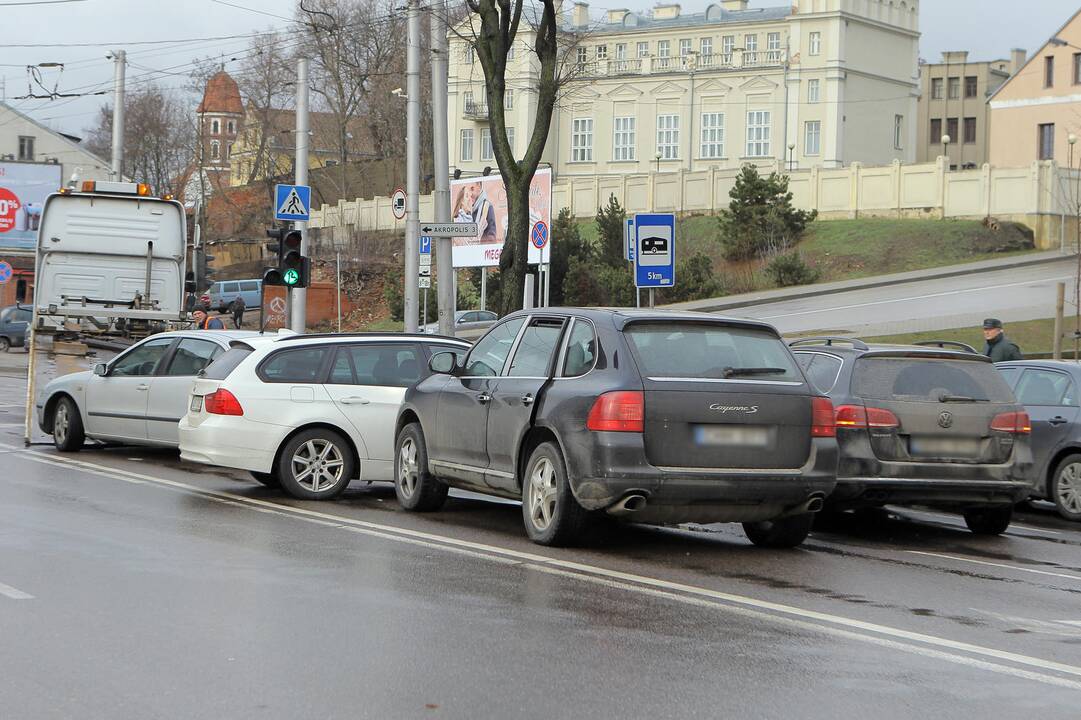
[260, 79]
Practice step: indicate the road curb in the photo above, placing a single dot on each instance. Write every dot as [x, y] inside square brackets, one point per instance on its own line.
[808, 291]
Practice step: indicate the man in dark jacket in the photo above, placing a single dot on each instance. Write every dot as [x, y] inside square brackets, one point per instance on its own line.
[998, 347]
[238, 311]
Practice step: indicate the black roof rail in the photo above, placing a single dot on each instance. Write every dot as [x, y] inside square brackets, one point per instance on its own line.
[947, 343]
[830, 340]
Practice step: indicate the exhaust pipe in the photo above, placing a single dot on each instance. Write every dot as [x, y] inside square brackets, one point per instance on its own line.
[811, 505]
[630, 504]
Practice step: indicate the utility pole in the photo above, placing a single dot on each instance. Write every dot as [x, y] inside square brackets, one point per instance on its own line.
[412, 164]
[119, 62]
[298, 307]
[447, 302]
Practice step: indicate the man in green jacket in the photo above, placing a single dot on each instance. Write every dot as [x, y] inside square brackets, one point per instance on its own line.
[998, 347]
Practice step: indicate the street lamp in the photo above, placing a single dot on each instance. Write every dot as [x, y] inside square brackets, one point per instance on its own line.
[945, 149]
[791, 155]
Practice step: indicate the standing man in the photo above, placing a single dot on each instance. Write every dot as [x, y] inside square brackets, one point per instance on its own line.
[998, 347]
[205, 322]
[238, 311]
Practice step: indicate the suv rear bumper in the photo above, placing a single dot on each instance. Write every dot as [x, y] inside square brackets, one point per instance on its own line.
[611, 467]
[854, 492]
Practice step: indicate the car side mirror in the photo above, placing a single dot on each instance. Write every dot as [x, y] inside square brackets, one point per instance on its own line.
[101, 369]
[443, 363]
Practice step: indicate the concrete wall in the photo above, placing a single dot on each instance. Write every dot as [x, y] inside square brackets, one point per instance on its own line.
[1036, 195]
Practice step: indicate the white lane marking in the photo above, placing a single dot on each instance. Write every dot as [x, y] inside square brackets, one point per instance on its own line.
[910, 299]
[14, 593]
[960, 558]
[722, 600]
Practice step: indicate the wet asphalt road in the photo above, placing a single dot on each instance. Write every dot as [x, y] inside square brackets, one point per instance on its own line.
[136, 586]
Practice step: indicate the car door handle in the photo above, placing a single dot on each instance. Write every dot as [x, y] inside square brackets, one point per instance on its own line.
[527, 400]
[483, 398]
[142, 387]
[1058, 420]
[354, 400]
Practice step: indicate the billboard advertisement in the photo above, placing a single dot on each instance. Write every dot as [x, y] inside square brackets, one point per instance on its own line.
[483, 200]
[23, 189]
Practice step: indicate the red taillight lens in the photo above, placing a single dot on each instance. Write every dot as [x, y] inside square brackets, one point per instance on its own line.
[822, 422]
[621, 411]
[1017, 423]
[857, 416]
[222, 402]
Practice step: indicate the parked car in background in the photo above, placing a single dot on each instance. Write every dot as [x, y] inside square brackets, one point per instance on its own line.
[467, 320]
[1049, 392]
[650, 416]
[138, 397]
[14, 324]
[223, 292]
[929, 425]
[308, 413]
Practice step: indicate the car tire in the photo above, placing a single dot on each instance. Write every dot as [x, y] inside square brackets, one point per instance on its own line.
[989, 520]
[785, 532]
[316, 464]
[5, 344]
[68, 434]
[1066, 488]
[416, 488]
[550, 512]
[271, 480]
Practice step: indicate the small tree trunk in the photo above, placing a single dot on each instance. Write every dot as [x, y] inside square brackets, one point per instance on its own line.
[514, 262]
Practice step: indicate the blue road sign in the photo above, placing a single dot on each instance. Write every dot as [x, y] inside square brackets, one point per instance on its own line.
[655, 250]
[425, 245]
[292, 202]
[5, 272]
[540, 235]
[628, 239]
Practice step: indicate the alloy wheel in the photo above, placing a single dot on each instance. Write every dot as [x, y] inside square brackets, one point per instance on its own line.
[407, 467]
[542, 494]
[61, 423]
[317, 465]
[1069, 488]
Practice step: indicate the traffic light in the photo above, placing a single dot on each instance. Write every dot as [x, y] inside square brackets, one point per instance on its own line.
[293, 270]
[201, 277]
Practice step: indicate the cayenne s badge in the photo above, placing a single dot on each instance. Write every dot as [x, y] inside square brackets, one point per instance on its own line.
[746, 409]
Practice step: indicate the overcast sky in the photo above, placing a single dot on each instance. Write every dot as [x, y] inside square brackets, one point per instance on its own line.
[987, 28]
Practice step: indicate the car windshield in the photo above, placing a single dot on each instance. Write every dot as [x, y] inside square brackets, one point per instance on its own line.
[710, 350]
[932, 379]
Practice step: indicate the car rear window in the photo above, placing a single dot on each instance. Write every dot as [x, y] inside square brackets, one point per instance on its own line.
[710, 350]
[227, 363]
[928, 379]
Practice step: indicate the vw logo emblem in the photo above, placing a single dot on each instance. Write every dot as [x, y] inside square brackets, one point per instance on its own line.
[945, 419]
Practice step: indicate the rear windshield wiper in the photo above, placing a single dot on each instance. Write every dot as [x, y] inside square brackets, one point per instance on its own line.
[733, 371]
[946, 398]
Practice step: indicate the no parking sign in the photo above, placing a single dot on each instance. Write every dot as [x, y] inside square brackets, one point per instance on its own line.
[539, 236]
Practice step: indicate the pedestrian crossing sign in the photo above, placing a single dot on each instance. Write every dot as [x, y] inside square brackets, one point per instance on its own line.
[292, 202]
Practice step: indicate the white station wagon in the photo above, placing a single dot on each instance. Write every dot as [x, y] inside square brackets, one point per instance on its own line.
[308, 413]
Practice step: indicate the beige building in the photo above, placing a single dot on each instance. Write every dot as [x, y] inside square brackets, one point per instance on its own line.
[1034, 113]
[811, 83]
[953, 101]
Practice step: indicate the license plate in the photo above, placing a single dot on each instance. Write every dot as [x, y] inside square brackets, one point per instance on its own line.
[944, 447]
[196, 403]
[742, 435]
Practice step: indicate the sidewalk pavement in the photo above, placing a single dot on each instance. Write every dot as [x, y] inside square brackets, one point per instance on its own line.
[730, 302]
[14, 362]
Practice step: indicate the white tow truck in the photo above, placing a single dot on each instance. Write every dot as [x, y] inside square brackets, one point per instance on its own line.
[110, 268]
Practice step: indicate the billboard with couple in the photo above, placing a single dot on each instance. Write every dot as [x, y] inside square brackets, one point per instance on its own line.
[483, 200]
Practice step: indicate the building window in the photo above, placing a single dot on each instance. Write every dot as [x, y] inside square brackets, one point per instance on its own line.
[230, 127]
[970, 130]
[1049, 71]
[215, 126]
[898, 127]
[581, 55]
[663, 48]
[510, 52]
[1047, 141]
[814, 44]
[228, 150]
[485, 144]
[508, 100]
[750, 48]
[812, 91]
[955, 88]
[712, 135]
[773, 47]
[467, 101]
[728, 42]
[971, 86]
[330, 163]
[668, 136]
[936, 88]
[1077, 68]
[758, 133]
[467, 145]
[951, 129]
[936, 131]
[705, 47]
[470, 54]
[26, 148]
[812, 137]
[582, 140]
[602, 52]
[684, 47]
[623, 139]
[621, 51]
[643, 49]
[215, 150]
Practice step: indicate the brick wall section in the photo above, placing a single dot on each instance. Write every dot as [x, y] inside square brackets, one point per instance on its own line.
[322, 306]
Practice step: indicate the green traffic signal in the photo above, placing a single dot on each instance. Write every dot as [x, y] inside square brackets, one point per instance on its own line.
[291, 277]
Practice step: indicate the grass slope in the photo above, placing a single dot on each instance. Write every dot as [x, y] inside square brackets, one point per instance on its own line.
[1032, 336]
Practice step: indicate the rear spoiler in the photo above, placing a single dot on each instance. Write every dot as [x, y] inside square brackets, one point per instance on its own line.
[964, 347]
[919, 352]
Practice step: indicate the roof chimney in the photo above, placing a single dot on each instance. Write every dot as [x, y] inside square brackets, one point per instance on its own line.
[731, 5]
[666, 11]
[580, 15]
[1017, 59]
[955, 57]
[616, 15]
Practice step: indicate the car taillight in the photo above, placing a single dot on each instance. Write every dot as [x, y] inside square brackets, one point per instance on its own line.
[822, 424]
[222, 402]
[620, 411]
[857, 416]
[1017, 423]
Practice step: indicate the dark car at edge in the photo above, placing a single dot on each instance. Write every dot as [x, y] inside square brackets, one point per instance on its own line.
[649, 416]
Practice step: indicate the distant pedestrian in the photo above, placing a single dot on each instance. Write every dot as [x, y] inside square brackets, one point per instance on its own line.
[203, 321]
[238, 311]
[998, 347]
